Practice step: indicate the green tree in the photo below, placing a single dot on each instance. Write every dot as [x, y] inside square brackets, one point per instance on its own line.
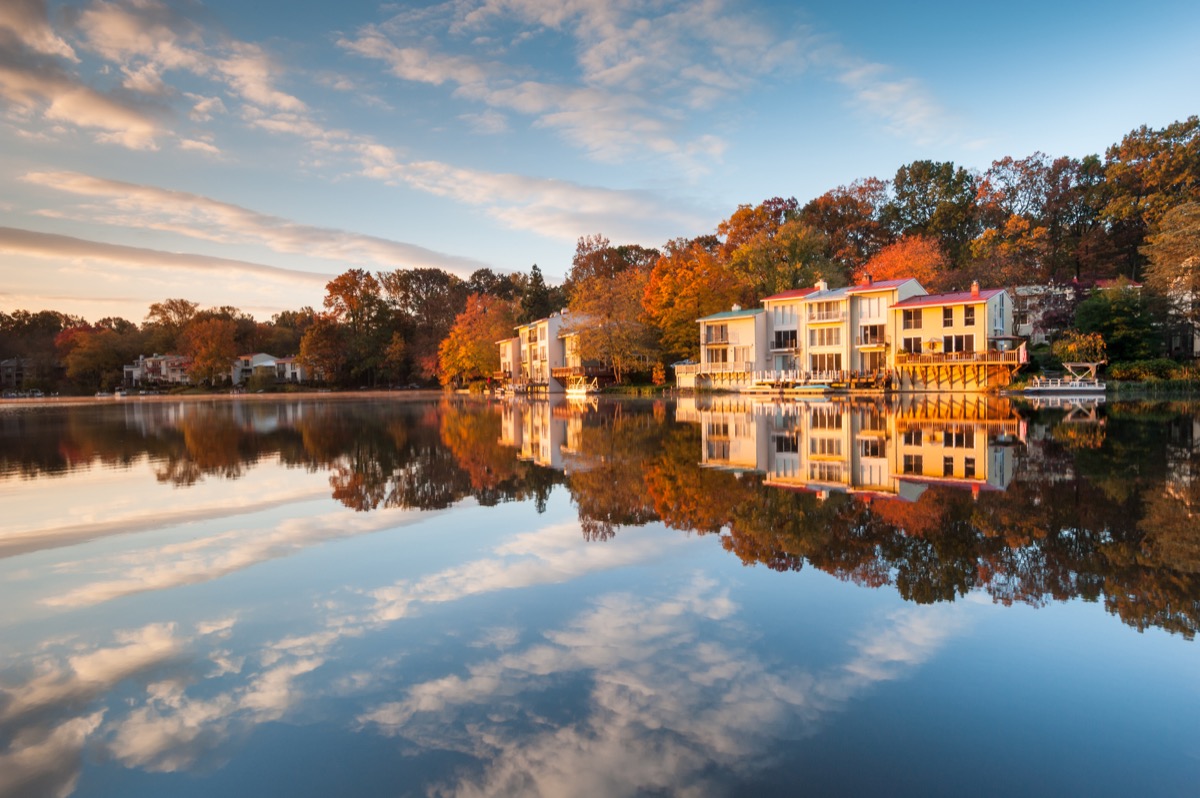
[937, 199]
[1123, 318]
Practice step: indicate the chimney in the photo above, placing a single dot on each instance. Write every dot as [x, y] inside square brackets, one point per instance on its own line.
[867, 280]
[822, 285]
[974, 288]
[736, 308]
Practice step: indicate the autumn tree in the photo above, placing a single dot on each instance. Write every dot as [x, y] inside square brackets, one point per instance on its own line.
[917, 256]
[688, 282]
[1174, 268]
[424, 304]
[211, 344]
[469, 351]
[95, 357]
[1078, 347]
[323, 349]
[606, 307]
[937, 199]
[166, 321]
[1146, 174]
[850, 218]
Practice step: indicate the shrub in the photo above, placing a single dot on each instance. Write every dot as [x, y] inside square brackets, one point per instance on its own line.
[1146, 370]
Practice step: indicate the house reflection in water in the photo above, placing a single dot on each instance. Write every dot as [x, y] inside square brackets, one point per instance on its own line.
[895, 448]
[545, 432]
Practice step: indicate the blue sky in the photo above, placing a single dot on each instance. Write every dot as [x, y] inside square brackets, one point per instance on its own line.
[243, 153]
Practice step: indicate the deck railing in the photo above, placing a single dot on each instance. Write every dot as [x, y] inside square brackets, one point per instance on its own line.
[1011, 356]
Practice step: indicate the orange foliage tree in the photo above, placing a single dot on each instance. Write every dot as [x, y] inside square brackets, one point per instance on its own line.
[686, 283]
[918, 256]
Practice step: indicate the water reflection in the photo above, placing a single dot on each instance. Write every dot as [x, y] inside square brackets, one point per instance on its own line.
[936, 496]
[182, 579]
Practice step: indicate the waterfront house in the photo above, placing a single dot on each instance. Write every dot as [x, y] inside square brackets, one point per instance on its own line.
[885, 335]
[246, 366]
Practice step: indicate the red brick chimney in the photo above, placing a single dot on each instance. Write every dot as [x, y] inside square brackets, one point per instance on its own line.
[974, 288]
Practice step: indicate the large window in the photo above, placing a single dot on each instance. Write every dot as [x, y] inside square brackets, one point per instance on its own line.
[829, 447]
[912, 319]
[969, 316]
[912, 345]
[825, 362]
[825, 336]
[958, 343]
[784, 339]
[870, 307]
[959, 439]
[870, 335]
[717, 334]
[719, 355]
[913, 464]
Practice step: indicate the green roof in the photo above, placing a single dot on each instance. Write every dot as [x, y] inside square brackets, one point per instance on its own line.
[732, 314]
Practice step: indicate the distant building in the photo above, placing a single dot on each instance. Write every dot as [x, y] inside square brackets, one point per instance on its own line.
[155, 370]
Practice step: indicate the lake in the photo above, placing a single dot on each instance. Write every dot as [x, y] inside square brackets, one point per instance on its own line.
[951, 595]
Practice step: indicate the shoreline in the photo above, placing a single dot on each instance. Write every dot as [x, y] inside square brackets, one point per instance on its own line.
[62, 401]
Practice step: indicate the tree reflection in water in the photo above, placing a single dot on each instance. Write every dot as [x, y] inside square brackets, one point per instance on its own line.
[933, 498]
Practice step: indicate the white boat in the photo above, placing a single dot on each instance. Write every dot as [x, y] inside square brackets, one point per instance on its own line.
[1085, 386]
[582, 386]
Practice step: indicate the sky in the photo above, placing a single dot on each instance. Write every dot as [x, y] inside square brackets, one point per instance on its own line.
[244, 153]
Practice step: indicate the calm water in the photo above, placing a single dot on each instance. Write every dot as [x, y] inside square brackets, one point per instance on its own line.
[386, 598]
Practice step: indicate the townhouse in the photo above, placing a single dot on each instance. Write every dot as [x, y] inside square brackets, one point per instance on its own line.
[885, 335]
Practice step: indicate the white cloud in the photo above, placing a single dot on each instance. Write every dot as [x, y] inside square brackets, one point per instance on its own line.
[66, 248]
[675, 692]
[147, 207]
[27, 21]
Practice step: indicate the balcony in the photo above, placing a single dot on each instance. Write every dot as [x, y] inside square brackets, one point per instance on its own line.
[716, 338]
[1013, 356]
[566, 372]
[821, 317]
[870, 342]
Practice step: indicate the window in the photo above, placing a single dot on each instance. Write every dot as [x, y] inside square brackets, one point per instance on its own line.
[825, 446]
[947, 466]
[786, 444]
[870, 447]
[785, 339]
[958, 343]
[718, 334]
[912, 319]
[825, 362]
[825, 336]
[823, 418]
[870, 335]
[969, 468]
[870, 307]
[913, 464]
[541, 333]
[912, 437]
[718, 355]
[912, 345]
[969, 316]
[959, 438]
[947, 317]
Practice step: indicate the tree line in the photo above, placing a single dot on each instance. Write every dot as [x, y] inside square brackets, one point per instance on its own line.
[1132, 214]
